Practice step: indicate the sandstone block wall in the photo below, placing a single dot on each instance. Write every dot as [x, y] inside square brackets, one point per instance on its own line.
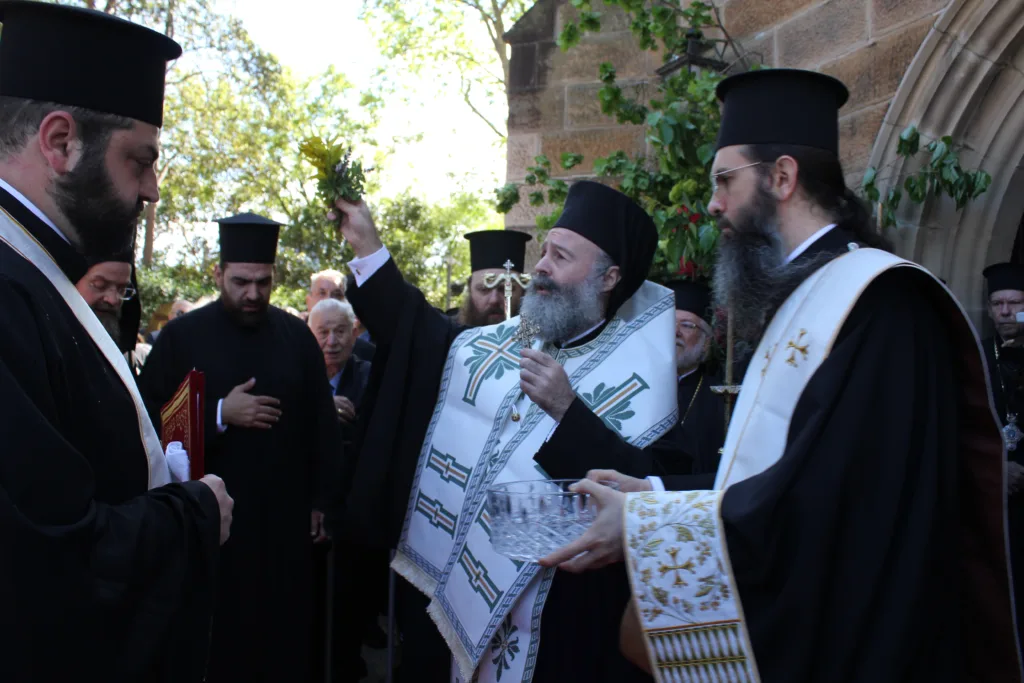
[553, 109]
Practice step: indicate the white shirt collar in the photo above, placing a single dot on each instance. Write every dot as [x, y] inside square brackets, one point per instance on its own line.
[683, 376]
[581, 336]
[808, 242]
[33, 208]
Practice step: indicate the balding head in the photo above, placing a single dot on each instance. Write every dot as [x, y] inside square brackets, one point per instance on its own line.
[180, 308]
[327, 284]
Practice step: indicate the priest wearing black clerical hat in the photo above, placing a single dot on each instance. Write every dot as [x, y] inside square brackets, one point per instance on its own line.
[111, 291]
[862, 473]
[272, 432]
[494, 257]
[1004, 358]
[586, 294]
[108, 566]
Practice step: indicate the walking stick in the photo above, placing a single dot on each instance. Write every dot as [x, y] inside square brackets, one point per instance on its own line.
[391, 620]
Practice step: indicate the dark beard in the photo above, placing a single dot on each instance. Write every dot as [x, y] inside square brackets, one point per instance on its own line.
[86, 196]
[471, 316]
[752, 278]
[249, 319]
[110, 318]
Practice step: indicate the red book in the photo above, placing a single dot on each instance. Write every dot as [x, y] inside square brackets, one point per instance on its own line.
[182, 420]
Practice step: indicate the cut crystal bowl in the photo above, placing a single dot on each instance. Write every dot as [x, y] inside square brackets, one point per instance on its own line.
[532, 519]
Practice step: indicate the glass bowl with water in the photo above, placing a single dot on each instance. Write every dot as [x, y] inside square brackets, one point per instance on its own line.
[532, 519]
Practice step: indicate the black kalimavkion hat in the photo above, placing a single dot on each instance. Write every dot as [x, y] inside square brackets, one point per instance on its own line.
[781, 107]
[83, 58]
[248, 238]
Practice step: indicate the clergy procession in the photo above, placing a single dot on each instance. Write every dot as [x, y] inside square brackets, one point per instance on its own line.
[562, 479]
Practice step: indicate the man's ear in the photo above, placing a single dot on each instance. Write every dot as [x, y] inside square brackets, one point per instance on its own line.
[59, 142]
[611, 277]
[784, 177]
[218, 275]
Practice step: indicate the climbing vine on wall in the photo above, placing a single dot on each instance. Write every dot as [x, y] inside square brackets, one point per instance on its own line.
[681, 120]
[940, 175]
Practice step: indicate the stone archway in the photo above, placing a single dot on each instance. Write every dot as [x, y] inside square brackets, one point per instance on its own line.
[967, 81]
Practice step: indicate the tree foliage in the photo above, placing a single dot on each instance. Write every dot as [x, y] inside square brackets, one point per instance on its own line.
[457, 40]
[421, 237]
[680, 119]
[939, 174]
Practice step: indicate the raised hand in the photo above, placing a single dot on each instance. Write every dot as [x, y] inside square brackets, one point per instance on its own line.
[242, 409]
[357, 227]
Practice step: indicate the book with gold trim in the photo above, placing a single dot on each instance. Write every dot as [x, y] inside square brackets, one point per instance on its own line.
[181, 419]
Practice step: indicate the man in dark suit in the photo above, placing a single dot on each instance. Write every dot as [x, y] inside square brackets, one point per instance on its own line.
[359, 574]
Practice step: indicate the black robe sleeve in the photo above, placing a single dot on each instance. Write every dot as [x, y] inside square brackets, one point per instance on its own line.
[583, 442]
[327, 452]
[412, 341]
[87, 586]
[163, 373]
[846, 552]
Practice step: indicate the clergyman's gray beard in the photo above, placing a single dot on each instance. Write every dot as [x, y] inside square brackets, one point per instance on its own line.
[689, 358]
[566, 311]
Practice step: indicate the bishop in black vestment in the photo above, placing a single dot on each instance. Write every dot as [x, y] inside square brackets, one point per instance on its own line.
[413, 341]
[687, 456]
[1004, 357]
[273, 434]
[105, 575]
[868, 545]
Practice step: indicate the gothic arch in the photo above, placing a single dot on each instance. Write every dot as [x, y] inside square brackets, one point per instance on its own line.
[967, 80]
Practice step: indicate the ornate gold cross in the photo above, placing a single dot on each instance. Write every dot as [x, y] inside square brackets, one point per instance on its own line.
[797, 348]
[676, 567]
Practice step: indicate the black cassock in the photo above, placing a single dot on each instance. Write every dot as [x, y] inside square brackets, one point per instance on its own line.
[580, 641]
[856, 555]
[1006, 379]
[685, 458]
[100, 579]
[262, 624]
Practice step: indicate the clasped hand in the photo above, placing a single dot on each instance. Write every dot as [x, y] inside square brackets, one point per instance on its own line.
[544, 380]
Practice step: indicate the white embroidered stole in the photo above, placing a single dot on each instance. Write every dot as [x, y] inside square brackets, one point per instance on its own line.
[678, 560]
[25, 245]
[487, 606]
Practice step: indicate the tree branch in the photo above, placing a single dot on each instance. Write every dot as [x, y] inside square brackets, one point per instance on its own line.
[467, 85]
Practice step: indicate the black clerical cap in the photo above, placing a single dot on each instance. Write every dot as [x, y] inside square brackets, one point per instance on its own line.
[781, 107]
[618, 225]
[692, 296]
[1002, 276]
[248, 238]
[83, 58]
[492, 248]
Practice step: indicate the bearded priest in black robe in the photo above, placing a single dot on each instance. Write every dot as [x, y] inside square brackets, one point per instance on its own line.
[495, 256]
[273, 434]
[108, 568]
[857, 527]
[583, 298]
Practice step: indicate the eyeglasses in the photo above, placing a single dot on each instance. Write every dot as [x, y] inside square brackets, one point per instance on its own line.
[716, 176]
[124, 292]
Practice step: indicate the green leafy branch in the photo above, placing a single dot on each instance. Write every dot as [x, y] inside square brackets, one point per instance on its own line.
[680, 121]
[941, 174]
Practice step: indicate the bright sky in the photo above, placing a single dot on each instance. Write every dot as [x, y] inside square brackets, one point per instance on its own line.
[314, 34]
